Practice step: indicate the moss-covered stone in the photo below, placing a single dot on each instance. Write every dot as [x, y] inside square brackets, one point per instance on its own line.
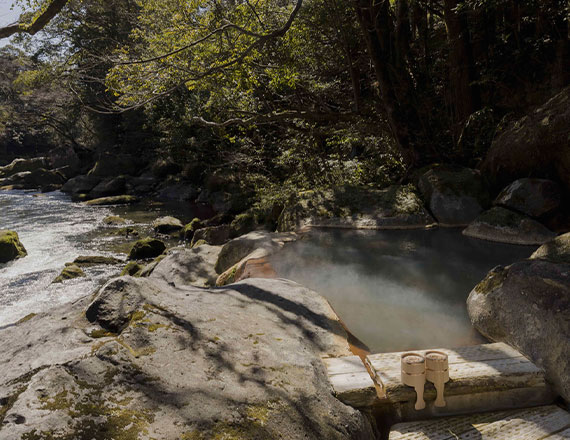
[70, 272]
[149, 268]
[242, 224]
[167, 225]
[133, 269]
[113, 200]
[214, 235]
[10, 246]
[146, 248]
[190, 228]
[114, 220]
[199, 243]
[94, 260]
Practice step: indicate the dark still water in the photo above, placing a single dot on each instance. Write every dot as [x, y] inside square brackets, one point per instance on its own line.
[397, 290]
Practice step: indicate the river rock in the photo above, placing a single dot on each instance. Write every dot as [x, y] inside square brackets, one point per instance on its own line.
[537, 145]
[189, 363]
[39, 178]
[557, 250]
[214, 235]
[114, 220]
[95, 260]
[22, 165]
[70, 272]
[111, 186]
[526, 305]
[11, 247]
[113, 200]
[189, 266]
[146, 248]
[455, 196]
[239, 248]
[506, 226]
[397, 207]
[141, 185]
[190, 228]
[167, 225]
[242, 224]
[133, 269]
[533, 197]
[80, 185]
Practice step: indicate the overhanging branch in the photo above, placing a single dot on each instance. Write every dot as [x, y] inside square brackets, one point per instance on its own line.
[38, 24]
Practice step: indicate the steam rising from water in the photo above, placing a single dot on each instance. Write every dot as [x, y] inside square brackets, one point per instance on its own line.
[397, 290]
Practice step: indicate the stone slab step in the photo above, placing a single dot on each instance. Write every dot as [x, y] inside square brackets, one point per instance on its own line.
[482, 377]
[541, 423]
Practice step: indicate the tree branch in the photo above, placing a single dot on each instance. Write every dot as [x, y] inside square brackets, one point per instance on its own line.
[38, 24]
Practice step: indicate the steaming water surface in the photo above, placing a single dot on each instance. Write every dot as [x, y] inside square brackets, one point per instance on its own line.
[397, 290]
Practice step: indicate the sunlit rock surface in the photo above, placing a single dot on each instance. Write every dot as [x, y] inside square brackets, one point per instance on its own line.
[188, 363]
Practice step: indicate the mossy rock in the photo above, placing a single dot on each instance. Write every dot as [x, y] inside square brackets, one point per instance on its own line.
[133, 269]
[190, 228]
[214, 235]
[557, 250]
[68, 273]
[356, 207]
[149, 268]
[506, 226]
[199, 243]
[10, 246]
[146, 248]
[94, 260]
[127, 231]
[242, 224]
[114, 220]
[113, 200]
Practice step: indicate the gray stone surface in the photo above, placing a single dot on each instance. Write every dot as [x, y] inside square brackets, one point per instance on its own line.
[189, 266]
[111, 186]
[214, 235]
[533, 197]
[557, 250]
[238, 248]
[455, 196]
[527, 306]
[167, 225]
[80, 185]
[189, 363]
[22, 165]
[506, 226]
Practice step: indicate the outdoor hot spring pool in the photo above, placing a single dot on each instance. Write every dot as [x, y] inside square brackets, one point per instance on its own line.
[397, 290]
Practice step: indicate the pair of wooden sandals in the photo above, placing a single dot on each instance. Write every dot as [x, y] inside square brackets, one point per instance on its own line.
[433, 367]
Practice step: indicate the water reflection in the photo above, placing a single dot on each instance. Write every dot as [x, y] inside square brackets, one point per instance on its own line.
[397, 290]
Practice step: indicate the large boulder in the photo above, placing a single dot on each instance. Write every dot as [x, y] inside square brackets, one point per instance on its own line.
[10, 246]
[526, 305]
[506, 226]
[38, 178]
[533, 197]
[397, 207]
[455, 196]
[214, 235]
[150, 360]
[80, 185]
[536, 145]
[146, 248]
[180, 192]
[557, 250]
[23, 165]
[111, 186]
[239, 248]
[189, 266]
[167, 225]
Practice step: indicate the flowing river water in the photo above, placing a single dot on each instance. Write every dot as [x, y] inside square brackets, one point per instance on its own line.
[54, 230]
[395, 290]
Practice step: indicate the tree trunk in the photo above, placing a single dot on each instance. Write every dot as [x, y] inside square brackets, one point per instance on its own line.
[388, 44]
[465, 94]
